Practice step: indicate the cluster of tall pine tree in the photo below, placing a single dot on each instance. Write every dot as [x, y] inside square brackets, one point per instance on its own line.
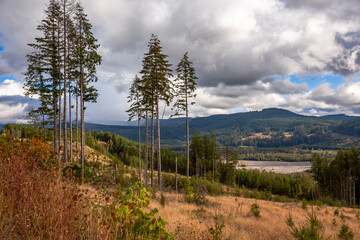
[340, 178]
[155, 85]
[62, 67]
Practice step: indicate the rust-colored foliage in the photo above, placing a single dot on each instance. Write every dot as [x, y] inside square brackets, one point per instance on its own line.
[35, 203]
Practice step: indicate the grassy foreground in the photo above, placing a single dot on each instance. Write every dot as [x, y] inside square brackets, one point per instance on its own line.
[189, 221]
[37, 201]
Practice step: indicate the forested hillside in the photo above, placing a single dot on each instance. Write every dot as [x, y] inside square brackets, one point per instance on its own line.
[267, 128]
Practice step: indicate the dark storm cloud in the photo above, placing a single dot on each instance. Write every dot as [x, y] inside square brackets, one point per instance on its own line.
[347, 63]
[15, 100]
[268, 86]
[309, 4]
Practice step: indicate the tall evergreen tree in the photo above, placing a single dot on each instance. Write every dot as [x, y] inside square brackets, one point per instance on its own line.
[43, 75]
[87, 59]
[156, 75]
[136, 109]
[214, 152]
[186, 85]
[196, 152]
[66, 9]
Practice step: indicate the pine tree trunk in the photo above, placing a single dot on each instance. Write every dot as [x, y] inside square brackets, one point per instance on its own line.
[213, 162]
[70, 121]
[176, 177]
[139, 150]
[204, 170]
[55, 120]
[187, 140]
[65, 79]
[60, 93]
[82, 124]
[152, 146]
[349, 186]
[197, 164]
[354, 194]
[82, 134]
[77, 122]
[146, 151]
[44, 125]
[158, 143]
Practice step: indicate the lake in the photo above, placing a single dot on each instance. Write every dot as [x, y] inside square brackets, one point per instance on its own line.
[276, 166]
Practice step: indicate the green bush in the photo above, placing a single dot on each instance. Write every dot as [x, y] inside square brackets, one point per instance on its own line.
[91, 171]
[198, 199]
[311, 229]
[304, 204]
[168, 181]
[127, 216]
[162, 200]
[255, 210]
[345, 233]
[217, 231]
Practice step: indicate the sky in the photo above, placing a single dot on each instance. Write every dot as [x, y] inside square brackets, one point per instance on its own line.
[300, 55]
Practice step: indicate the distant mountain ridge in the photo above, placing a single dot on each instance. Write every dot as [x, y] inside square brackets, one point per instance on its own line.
[272, 127]
[229, 128]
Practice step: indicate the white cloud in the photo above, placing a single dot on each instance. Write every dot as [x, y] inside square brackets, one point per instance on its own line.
[12, 101]
[11, 87]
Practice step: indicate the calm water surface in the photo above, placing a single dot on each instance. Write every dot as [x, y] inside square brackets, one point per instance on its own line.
[276, 166]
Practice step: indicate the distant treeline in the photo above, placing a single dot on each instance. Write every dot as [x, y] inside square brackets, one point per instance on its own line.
[339, 178]
[299, 186]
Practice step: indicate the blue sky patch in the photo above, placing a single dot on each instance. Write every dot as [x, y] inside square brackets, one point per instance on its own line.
[3, 78]
[315, 80]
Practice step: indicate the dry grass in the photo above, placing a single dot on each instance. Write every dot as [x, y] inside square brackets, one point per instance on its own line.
[188, 221]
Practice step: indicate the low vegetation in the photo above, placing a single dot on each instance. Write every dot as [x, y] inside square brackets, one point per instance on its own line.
[38, 202]
[109, 207]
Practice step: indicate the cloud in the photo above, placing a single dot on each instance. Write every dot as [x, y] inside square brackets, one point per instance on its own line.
[295, 97]
[237, 48]
[12, 101]
[11, 87]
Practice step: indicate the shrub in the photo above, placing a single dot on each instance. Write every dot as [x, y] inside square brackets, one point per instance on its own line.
[162, 200]
[200, 212]
[304, 204]
[168, 181]
[255, 210]
[35, 203]
[198, 199]
[345, 233]
[289, 221]
[334, 222]
[311, 229]
[217, 231]
[129, 220]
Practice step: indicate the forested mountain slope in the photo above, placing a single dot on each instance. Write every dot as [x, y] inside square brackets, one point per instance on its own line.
[271, 127]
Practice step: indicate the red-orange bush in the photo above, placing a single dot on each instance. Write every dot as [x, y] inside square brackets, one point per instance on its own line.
[35, 203]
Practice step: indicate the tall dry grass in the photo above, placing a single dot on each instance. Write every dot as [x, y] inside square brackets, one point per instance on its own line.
[189, 221]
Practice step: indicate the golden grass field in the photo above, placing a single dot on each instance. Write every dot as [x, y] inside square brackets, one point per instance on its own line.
[189, 221]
